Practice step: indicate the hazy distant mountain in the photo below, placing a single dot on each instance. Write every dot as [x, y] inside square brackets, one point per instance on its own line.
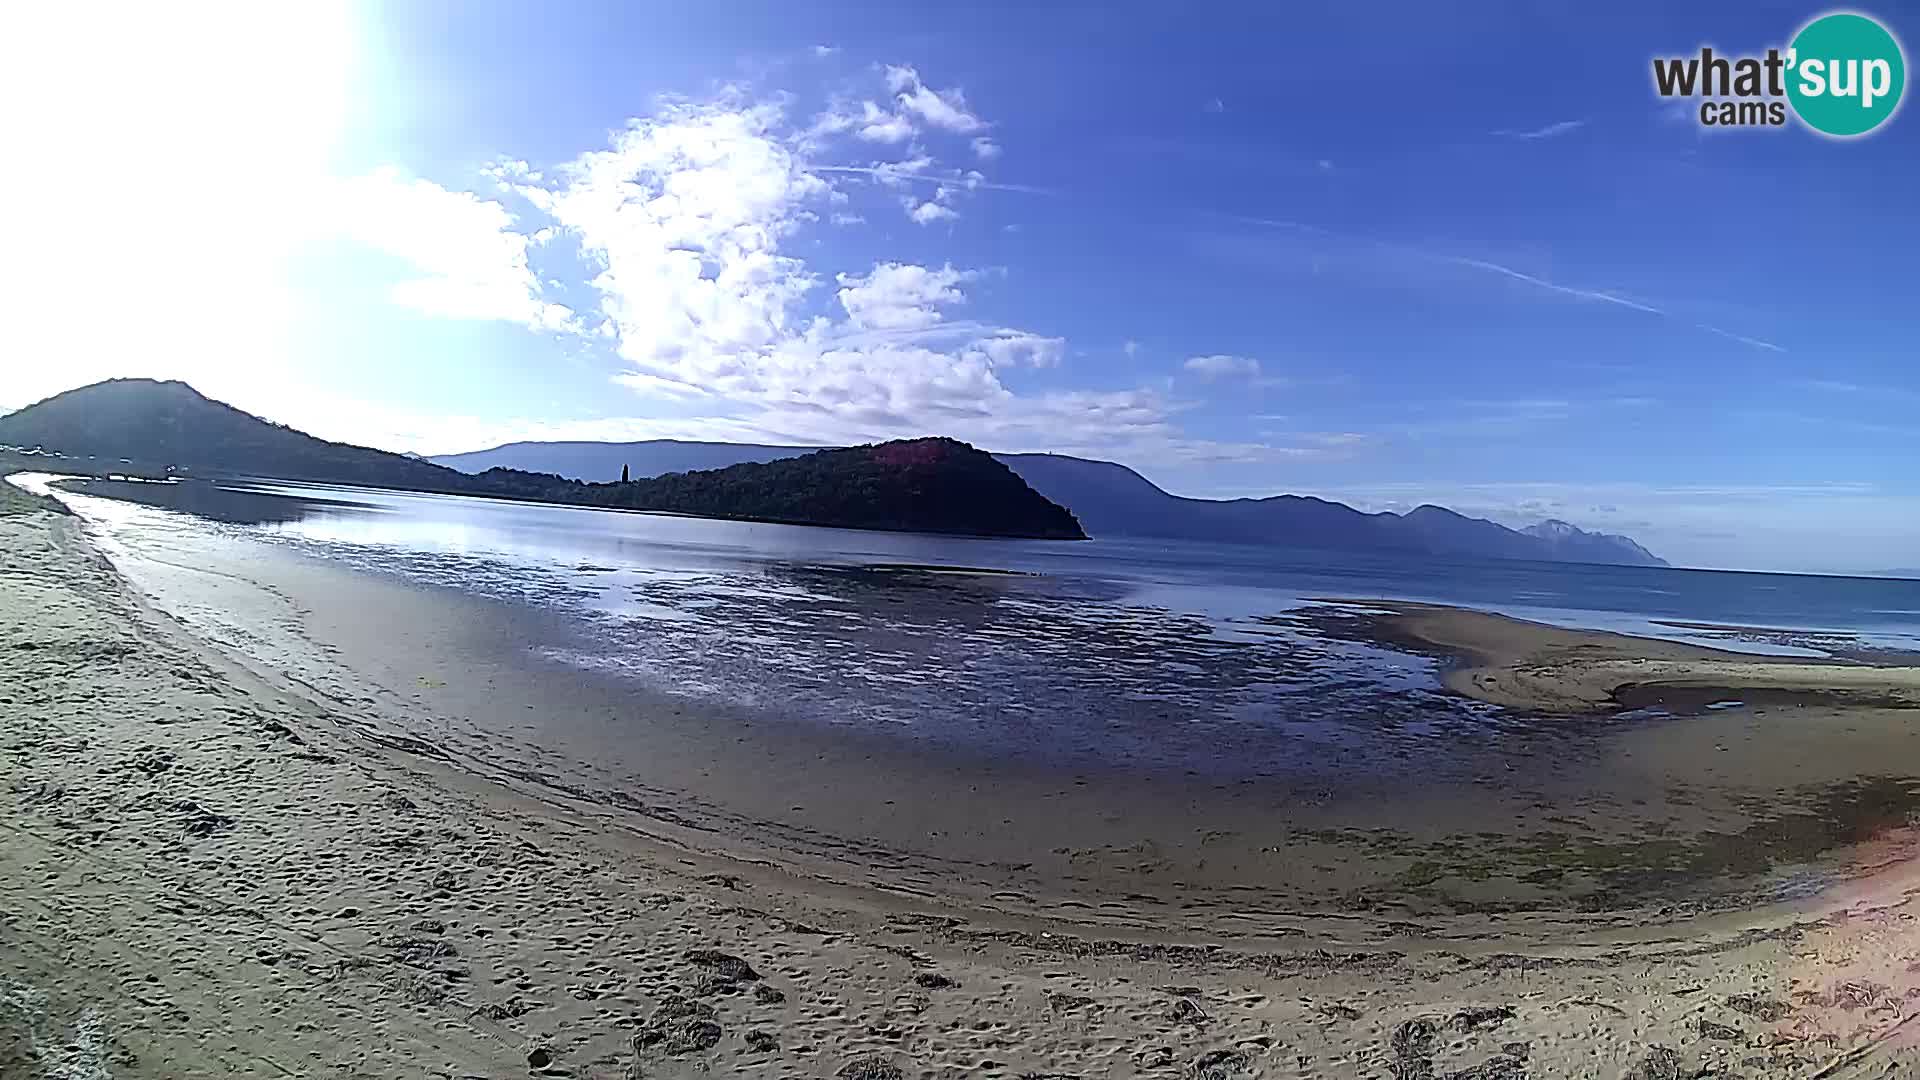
[1113, 500]
[601, 462]
[1110, 499]
[920, 485]
[1577, 545]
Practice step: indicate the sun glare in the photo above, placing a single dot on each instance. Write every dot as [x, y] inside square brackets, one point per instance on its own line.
[170, 156]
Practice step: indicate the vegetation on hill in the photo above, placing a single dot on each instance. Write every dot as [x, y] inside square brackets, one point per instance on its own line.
[933, 485]
[923, 485]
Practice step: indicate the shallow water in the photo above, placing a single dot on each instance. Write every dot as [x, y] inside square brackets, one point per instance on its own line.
[1177, 657]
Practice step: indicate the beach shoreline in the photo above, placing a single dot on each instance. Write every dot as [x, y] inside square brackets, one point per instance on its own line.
[1520, 664]
[570, 926]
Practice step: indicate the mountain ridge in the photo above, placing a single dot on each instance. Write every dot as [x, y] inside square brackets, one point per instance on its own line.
[1111, 499]
[936, 485]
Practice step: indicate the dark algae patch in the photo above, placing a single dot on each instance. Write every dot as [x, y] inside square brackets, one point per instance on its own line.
[1691, 700]
[1713, 868]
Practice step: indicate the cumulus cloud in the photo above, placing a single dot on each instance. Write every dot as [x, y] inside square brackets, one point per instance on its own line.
[469, 261]
[928, 212]
[898, 296]
[1222, 366]
[943, 109]
[688, 227]
[1014, 347]
[689, 217]
[684, 216]
[897, 173]
[878, 125]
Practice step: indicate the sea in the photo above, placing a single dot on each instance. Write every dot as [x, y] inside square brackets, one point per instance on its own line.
[1121, 648]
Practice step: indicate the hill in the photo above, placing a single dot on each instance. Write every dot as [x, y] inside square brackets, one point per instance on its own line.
[929, 485]
[171, 423]
[1110, 499]
[933, 485]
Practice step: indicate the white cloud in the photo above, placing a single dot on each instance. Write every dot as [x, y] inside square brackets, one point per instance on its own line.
[658, 387]
[985, 149]
[1014, 347]
[897, 173]
[926, 213]
[878, 125]
[900, 77]
[943, 109]
[1222, 366]
[689, 218]
[846, 219]
[687, 229]
[471, 262]
[899, 296]
[685, 215]
[894, 175]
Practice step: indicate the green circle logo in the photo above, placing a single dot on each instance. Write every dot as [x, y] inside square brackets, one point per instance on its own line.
[1845, 74]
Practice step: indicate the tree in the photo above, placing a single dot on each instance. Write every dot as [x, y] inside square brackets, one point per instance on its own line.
[623, 474]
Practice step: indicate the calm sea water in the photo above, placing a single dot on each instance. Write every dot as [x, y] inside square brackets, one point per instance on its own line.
[1119, 648]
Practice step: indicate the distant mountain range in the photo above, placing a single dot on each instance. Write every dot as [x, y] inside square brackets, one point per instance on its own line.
[1110, 499]
[920, 485]
[932, 485]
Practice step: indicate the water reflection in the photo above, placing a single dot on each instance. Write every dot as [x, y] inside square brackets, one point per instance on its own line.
[217, 502]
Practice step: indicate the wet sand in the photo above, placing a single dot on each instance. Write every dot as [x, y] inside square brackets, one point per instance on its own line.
[290, 830]
[1540, 668]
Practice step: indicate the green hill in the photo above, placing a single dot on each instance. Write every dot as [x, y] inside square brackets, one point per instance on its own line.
[921, 485]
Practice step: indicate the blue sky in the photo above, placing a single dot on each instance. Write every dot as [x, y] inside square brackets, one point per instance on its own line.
[1388, 255]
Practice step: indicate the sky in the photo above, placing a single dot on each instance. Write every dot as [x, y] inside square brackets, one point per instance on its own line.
[1385, 254]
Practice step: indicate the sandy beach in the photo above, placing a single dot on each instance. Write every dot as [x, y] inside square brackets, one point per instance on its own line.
[323, 838]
